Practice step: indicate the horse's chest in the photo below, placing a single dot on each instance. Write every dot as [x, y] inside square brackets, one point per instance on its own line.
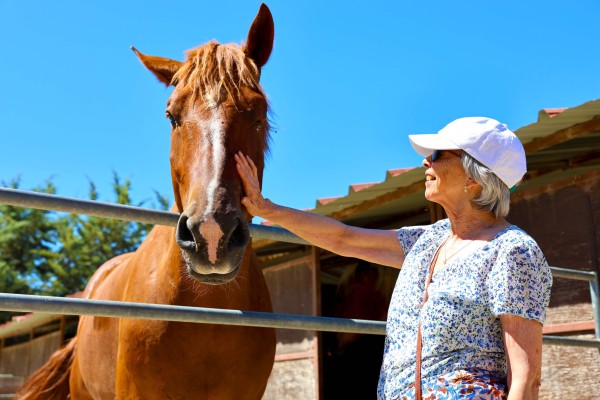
[194, 360]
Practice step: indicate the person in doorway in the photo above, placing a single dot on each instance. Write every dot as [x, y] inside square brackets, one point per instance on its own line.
[465, 319]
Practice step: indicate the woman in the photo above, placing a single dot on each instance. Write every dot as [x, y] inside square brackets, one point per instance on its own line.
[465, 320]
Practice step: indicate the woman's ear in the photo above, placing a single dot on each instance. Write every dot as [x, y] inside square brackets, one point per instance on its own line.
[472, 187]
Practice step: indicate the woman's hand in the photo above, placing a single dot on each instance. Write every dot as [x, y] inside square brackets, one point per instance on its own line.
[377, 246]
[254, 201]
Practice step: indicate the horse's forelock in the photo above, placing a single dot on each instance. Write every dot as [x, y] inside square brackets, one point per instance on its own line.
[213, 66]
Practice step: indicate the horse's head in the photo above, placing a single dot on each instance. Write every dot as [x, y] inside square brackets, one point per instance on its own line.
[217, 108]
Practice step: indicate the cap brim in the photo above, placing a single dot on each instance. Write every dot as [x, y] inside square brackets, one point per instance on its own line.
[426, 144]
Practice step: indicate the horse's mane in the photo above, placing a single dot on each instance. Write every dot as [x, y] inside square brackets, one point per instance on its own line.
[212, 67]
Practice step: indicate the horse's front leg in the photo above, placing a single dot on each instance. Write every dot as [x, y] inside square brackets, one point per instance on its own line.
[135, 379]
[77, 385]
[126, 384]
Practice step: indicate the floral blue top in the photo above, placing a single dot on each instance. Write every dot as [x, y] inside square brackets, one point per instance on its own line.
[461, 329]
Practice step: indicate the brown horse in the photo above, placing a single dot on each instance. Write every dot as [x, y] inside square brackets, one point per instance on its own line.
[216, 109]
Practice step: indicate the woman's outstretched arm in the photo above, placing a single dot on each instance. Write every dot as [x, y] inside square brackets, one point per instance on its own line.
[373, 245]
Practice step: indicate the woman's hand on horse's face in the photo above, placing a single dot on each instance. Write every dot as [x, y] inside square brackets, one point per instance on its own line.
[254, 202]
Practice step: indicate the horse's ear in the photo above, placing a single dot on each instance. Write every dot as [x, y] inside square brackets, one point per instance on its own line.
[260, 37]
[162, 68]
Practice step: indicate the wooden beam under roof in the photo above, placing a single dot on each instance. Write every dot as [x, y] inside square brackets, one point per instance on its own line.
[562, 135]
[379, 200]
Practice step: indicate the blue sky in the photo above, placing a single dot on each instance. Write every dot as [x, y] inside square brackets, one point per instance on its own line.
[347, 82]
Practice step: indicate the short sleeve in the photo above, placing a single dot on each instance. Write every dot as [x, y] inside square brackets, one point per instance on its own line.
[409, 235]
[520, 280]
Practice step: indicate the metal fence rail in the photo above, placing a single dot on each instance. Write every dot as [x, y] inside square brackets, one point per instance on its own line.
[104, 308]
[26, 303]
[592, 278]
[567, 341]
[118, 309]
[50, 202]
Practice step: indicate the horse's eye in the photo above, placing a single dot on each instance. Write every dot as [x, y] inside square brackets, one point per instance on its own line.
[174, 123]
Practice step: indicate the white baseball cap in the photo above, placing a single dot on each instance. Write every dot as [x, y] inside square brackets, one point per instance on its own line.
[485, 139]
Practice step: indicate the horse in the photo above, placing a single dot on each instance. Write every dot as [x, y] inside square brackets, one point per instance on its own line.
[216, 109]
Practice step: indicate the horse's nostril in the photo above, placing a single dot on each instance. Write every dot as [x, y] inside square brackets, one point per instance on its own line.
[185, 237]
[239, 236]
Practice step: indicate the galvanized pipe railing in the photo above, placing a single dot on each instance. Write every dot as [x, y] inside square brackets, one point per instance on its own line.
[558, 272]
[117, 309]
[24, 303]
[592, 278]
[104, 308]
[567, 341]
[50, 202]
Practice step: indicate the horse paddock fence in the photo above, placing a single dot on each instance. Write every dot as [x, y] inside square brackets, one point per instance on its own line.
[115, 309]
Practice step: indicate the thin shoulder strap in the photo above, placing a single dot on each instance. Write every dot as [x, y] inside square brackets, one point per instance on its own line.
[418, 388]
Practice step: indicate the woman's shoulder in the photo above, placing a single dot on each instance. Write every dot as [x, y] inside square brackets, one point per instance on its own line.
[512, 235]
[514, 240]
[438, 227]
[437, 230]
[408, 236]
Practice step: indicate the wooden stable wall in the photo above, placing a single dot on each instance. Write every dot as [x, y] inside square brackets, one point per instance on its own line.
[294, 287]
[564, 219]
[23, 359]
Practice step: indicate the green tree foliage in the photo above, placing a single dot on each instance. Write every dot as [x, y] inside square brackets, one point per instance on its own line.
[27, 237]
[47, 253]
[88, 242]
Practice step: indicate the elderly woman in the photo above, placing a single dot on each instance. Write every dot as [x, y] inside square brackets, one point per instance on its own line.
[465, 320]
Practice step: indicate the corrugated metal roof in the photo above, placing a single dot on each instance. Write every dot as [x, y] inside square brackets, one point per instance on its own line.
[561, 138]
[373, 190]
[550, 122]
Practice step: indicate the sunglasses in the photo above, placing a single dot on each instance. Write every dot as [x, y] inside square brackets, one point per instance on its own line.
[438, 153]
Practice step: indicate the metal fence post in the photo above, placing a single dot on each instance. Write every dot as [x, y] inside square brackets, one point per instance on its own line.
[595, 305]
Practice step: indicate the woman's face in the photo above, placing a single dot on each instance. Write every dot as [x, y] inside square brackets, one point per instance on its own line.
[445, 178]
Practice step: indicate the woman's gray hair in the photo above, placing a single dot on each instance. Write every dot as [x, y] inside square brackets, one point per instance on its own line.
[495, 195]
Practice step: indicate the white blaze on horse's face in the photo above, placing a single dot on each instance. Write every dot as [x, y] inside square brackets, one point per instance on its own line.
[212, 231]
[214, 140]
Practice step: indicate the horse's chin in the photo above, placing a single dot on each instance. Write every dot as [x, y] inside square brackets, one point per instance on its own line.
[214, 278]
[211, 274]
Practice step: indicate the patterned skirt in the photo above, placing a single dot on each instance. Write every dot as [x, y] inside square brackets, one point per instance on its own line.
[475, 384]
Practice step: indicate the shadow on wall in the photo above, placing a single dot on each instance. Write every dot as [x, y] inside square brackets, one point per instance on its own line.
[351, 362]
[561, 223]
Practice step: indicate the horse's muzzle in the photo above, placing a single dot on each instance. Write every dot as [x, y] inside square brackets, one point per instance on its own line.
[213, 246]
